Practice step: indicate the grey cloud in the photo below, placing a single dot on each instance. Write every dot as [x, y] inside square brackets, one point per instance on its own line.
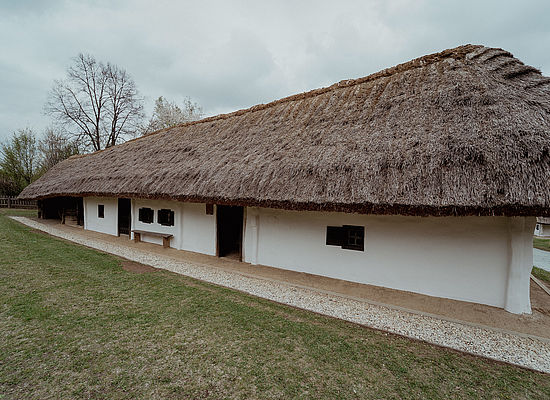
[233, 55]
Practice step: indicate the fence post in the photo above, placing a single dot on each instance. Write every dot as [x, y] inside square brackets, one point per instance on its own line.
[9, 202]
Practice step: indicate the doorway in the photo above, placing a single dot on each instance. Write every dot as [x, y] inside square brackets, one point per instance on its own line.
[124, 216]
[229, 220]
[80, 211]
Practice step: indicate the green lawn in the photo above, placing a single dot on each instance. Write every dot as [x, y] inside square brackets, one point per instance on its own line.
[74, 324]
[540, 243]
[541, 274]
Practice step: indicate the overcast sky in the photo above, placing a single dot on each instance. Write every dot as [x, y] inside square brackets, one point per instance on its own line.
[228, 55]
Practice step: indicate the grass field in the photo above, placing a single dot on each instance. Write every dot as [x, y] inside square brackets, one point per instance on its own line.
[541, 274]
[74, 324]
[542, 244]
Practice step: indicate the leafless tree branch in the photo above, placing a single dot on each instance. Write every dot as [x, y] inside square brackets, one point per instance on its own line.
[97, 103]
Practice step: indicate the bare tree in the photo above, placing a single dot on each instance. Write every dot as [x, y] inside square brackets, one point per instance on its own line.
[167, 114]
[97, 103]
[55, 147]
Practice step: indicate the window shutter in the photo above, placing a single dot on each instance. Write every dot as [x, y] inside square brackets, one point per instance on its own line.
[335, 236]
[145, 215]
[171, 218]
[348, 237]
[354, 237]
[165, 217]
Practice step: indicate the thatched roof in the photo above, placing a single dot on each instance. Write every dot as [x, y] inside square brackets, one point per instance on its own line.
[461, 132]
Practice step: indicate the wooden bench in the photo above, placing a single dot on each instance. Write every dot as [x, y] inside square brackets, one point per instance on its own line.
[165, 237]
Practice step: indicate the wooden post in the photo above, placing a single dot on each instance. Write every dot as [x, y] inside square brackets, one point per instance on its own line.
[9, 202]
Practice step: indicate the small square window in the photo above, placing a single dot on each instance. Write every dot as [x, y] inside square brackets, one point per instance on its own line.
[100, 211]
[348, 237]
[165, 217]
[209, 209]
[354, 237]
[145, 215]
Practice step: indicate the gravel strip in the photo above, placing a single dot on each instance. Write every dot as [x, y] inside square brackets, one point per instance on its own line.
[503, 346]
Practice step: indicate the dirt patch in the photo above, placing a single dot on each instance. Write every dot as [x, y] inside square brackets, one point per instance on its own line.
[540, 300]
[138, 268]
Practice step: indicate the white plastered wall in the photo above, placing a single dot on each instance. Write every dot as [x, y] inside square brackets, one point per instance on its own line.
[520, 263]
[109, 223]
[544, 230]
[156, 205]
[199, 229]
[193, 229]
[478, 259]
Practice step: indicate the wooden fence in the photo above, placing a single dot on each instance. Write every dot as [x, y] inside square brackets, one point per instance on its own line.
[14, 202]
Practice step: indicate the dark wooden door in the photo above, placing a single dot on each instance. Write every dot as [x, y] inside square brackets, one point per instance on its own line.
[230, 231]
[124, 216]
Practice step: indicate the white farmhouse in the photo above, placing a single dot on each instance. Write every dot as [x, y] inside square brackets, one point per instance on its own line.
[425, 177]
[542, 228]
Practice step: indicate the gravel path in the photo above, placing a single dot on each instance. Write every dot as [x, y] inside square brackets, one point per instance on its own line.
[517, 349]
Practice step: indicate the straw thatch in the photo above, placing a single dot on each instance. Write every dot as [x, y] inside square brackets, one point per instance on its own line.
[461, 132]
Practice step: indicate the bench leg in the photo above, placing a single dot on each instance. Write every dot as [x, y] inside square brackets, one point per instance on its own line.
[165, 242]
[137, 237]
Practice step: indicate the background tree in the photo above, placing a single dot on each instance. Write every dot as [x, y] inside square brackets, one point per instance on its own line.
[167, 114]
[19, 162]
[98, 104]
[7, 185]
[55, 147]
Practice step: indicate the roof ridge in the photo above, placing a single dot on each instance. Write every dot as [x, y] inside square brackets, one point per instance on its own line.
[457, 52]
[418, 62]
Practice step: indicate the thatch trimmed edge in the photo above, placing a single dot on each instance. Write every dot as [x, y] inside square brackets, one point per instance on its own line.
[360, 208]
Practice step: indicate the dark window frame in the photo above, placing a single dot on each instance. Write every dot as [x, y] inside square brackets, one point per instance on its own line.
[349, 237]
[101, 210]
[209, 209]
[355, 238]
[146, 215]
[165, 217]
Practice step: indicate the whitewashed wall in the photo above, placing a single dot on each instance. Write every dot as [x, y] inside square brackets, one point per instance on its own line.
[199, 229]
[542, 229]
[155, 205]
[479, 259]
[193, 229]
[462, 258]
[108, 224]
